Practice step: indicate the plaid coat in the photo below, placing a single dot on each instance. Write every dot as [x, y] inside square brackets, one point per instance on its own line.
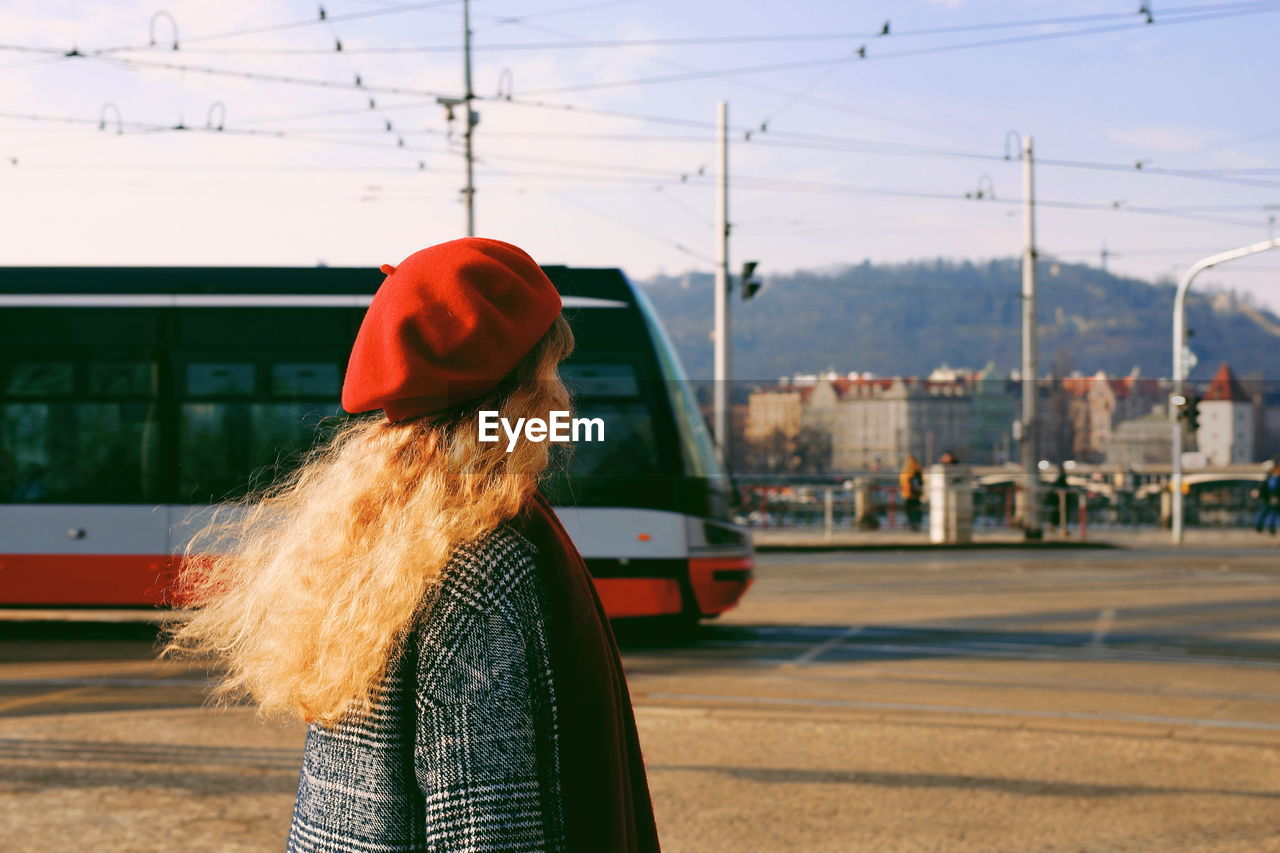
[461, 752]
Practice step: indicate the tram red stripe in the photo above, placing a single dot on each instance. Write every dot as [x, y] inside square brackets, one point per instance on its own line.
[146, 579]
[623, 597]
[86, 578]
[719, 582]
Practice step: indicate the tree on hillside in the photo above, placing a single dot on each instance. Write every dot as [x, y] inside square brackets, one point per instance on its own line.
[908, 318]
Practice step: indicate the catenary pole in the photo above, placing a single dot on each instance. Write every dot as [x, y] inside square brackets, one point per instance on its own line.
[1181, 367]
[469, 191]
[723, 369]
[1030, 424]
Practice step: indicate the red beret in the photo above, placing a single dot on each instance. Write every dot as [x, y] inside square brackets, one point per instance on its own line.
[447, 326]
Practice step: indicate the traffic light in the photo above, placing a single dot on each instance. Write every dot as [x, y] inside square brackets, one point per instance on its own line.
[750, 285]
[1193, 414]
[1188, 407]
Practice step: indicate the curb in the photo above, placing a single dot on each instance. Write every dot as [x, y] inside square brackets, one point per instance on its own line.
[762, 548]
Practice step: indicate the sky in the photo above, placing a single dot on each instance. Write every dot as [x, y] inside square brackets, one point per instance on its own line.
[596, 137]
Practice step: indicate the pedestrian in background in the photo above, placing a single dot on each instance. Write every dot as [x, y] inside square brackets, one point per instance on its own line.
[1056, 498]
[911, 487]
[410, 595]
[1268, 496]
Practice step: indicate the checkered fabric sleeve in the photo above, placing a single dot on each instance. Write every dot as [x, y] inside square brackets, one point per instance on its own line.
[461, 752]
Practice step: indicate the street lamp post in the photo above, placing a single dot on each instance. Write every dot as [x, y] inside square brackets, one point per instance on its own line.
[1181, 368]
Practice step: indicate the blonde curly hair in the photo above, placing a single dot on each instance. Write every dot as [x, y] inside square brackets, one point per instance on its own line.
[304, 592]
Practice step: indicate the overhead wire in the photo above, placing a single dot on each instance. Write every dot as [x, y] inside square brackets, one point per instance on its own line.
[866, 146]
[749, 182]
[1231, 10]
[27, 63]
[1120, 253]
[344, 111]
[699, 41]
[760, 87]
[653, 235]
[1247, 8]
[388, 125]
[1241, 9]
[262, 76]
[321, 18]
[675, 244]
[791, 139]
[685, 206]
[1264, 8]
[290, 25]
[129, 128]
[672, 178]
[506, 20]
[1255, 8]
[796, 139]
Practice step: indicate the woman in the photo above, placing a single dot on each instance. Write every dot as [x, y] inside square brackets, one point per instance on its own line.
[409, 594]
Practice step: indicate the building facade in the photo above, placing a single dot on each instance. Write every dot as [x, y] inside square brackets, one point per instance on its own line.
[1227, 433]
[1098, 404]
[873, 422]
[1147, 440]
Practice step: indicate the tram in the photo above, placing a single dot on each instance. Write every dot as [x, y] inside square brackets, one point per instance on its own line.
[134, 399]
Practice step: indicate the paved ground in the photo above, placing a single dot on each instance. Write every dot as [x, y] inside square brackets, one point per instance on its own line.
[925, 701]
[783, 538]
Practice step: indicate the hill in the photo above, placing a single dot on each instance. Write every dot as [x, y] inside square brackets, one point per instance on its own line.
[909, 318]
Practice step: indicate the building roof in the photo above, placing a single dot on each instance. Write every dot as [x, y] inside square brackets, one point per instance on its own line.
[860, 386]
[1121, 386]
[1225, 387]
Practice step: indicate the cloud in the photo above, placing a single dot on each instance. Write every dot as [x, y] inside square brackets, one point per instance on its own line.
[1167, 138]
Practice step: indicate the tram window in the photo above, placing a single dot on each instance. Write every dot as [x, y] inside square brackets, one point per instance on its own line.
[228, 449]
[623, 470]
[73, 452]
[600, 380]
[214, 443]
[220, 380]
[40, 379]
[696, 443]
[305, 380]
[121, 378]
[629, 446]
[283, 431]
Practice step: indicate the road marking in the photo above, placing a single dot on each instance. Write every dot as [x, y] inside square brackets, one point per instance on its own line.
[1102, 627]
[816, 630]
[872, 675]
[1254, 725]
[1015, 651]
[57, 696]
[825, 646]
[106, 681]
[136, 616]
[175, 756]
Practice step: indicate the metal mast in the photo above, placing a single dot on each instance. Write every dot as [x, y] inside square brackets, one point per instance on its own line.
[1030, 424]
[469, 191]
[723, 368]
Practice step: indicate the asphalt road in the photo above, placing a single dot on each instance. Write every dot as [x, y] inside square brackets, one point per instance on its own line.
[925, 701]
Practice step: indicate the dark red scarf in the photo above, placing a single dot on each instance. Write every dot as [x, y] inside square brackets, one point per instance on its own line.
[606, 794]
